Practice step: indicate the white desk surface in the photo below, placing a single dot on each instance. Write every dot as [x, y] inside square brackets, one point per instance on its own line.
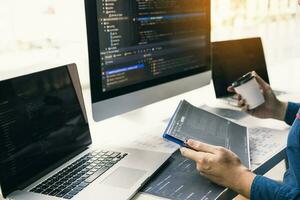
[143, 128]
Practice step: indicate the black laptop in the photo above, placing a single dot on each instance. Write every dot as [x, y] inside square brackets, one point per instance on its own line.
[234, 58]
[45, 144]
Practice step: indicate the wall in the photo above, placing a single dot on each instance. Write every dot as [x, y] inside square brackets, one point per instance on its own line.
[36, 34]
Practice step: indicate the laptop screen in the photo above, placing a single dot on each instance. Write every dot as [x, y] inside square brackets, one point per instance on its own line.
[232, 59]
[42, 124]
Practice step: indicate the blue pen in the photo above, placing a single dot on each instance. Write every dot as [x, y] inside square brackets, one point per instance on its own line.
[177, 141]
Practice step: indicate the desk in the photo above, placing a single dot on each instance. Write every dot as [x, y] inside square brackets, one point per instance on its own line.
[141, 129]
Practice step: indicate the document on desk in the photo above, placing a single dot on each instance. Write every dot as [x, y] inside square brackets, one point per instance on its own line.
[179, 180]
[190, 122]
[264, 143]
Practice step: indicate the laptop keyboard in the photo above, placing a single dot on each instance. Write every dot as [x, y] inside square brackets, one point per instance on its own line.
[71, 180]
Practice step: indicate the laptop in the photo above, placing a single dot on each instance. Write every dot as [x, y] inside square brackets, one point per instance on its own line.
[46, 148]
[234, 58]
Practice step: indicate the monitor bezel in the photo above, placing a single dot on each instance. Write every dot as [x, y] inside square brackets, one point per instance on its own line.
[97, 93]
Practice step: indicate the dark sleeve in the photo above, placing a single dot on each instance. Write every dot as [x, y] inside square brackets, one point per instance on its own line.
[291, 113]
[265, 189]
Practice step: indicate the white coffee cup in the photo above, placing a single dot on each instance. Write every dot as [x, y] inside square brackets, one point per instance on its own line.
[248, 87]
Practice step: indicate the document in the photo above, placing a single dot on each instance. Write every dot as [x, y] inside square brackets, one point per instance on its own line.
[179, 178]
[190, 122]
[264, 143]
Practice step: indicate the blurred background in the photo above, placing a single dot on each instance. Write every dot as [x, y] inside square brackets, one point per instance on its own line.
[38, 33]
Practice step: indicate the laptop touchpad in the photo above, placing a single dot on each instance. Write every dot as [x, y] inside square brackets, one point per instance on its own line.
[124, 177]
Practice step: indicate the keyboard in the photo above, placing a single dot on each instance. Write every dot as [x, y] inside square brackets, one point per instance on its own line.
[74, 178]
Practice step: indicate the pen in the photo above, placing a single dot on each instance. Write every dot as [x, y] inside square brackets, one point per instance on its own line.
[178, 141]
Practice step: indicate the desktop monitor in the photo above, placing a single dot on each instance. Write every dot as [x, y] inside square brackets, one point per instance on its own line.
[141, 52]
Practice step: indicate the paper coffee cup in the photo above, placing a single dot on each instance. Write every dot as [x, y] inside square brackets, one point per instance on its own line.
[248, 87]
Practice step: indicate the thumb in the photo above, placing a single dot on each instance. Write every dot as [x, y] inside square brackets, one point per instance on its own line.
[264, 85]
[230, 89]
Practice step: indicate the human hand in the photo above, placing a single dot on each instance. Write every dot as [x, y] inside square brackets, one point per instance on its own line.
[221, 166]
[272, 108]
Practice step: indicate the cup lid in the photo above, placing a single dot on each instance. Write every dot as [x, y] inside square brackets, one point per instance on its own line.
[242, 80]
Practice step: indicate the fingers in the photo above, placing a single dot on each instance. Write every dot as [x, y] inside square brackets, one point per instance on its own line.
[245, 108]
[230, 89]
[204, 161]
[200, 146]
[237, 97]
[264, 86]
[242, 103]
[207, 175]
[193, 155]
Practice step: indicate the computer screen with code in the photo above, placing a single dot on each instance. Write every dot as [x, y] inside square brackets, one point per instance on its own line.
[142, 43]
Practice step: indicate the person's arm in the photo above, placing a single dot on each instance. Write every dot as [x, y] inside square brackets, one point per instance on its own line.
[291, 112]
[264, 189]
[224, 168]
[221, 166]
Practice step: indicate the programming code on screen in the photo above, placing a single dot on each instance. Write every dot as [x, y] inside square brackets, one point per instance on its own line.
[141, 40]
